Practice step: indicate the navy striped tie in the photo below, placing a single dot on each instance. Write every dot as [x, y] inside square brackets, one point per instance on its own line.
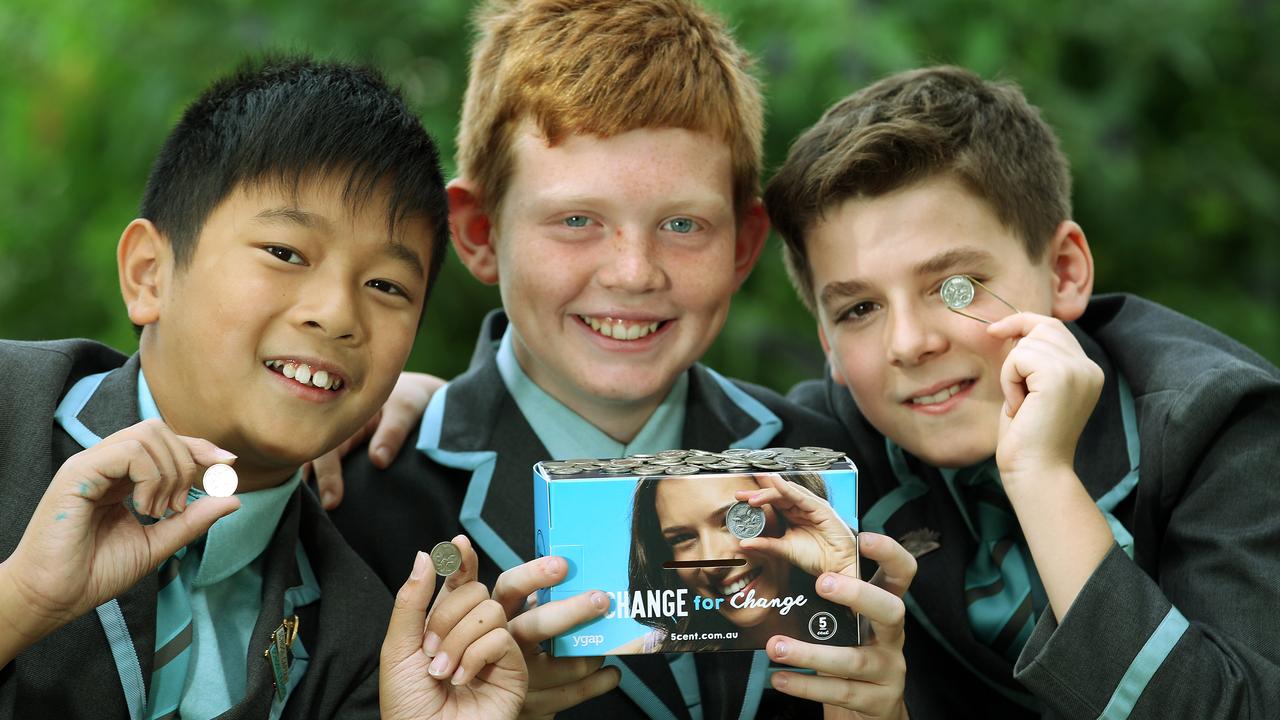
[1001, 588]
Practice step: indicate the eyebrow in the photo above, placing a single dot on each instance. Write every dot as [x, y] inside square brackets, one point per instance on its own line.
[396, 251]
[292, 216]
[937, 264]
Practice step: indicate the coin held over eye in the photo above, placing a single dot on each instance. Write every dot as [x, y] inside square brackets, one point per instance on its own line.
[744, 521]
[957, 292]
[220, 481]
[446, 557]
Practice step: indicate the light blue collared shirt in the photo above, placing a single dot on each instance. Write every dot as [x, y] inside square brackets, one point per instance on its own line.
[226, 591]
[566, 435]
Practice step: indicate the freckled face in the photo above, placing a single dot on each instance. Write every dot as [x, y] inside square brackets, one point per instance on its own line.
[691, 513]
[617, 259]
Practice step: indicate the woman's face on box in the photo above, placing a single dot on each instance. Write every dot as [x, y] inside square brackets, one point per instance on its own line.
[691, 512]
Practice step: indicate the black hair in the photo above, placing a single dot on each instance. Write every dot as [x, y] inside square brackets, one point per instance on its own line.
[283, 120]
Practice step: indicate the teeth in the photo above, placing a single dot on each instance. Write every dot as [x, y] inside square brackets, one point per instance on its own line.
[619, 329]
[937, 397]
[302, 373]
[742, 582]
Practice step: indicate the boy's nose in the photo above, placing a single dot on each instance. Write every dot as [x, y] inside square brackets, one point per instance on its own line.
[333, 313]
[633, 263]
[910, 338]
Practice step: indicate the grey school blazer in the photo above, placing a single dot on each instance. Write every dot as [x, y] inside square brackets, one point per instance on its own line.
[471, 474]
[72, 673]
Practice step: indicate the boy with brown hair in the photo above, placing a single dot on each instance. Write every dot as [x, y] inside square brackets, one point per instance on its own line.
[1087, 482]
[609, 155]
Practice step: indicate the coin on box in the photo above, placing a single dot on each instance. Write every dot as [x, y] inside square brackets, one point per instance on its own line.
[220, 481]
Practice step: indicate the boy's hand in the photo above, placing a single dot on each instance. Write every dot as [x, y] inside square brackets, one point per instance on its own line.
[84, 547]
[459, 661]
[816, 539]
[555, 684]
[1050, 389]
[389, 429]
[863, 681]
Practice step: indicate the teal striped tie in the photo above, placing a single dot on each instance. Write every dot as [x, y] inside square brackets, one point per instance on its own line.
[1001, 587]
[173, 635]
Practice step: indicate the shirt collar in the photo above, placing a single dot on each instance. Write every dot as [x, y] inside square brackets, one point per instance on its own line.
[239, 538]
[566, 434]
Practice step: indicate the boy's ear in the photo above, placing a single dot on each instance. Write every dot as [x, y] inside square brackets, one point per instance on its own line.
[753, 230]
[832, 366]
[472, 231]
[1071, 269]
[143, 259]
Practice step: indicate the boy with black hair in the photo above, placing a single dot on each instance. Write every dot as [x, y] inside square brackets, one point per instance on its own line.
[1088, 482]
[291, 229]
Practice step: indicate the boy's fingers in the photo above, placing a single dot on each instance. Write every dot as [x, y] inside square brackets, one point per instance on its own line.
[180, 529]
[882, 608]
[482, 617]
[851, 694]
[449, 611]
[409, 615]
[328, 471]
[558, 617]
[548, 672]
[391, 434]
[493, 648]
[514, 585]
[897, 565]
[858, 663]
[551, 700]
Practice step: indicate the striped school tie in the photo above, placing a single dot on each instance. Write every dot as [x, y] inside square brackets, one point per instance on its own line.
[1001, 588]
[173, 637]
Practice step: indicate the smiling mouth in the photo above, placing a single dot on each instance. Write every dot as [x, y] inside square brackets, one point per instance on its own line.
[942, 395]
[737, 585]
[304, 374]
[621, 329]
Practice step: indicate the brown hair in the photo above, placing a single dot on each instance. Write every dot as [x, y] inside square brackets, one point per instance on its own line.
[604, 67]
[912, 126]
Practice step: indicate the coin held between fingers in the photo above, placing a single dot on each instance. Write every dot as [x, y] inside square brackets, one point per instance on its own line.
[744, 521]
[446, 558]
[220, 481]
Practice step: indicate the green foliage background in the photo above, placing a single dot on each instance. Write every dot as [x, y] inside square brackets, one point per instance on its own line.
[1168, 110]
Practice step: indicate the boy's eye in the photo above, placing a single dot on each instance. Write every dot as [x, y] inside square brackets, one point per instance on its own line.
[285, 254]
[680, 225]
[577, 221]
[858, 310]
[387, 287]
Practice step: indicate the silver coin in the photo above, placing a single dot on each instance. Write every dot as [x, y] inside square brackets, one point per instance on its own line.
[957, 292]
[220, 480]
[682, 469]
[446, 557]
[744, 521]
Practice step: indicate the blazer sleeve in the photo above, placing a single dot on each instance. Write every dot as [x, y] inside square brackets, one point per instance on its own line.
[1191, 628]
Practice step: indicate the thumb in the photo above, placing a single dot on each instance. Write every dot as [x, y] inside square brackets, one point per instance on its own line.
[180, 529]
[409, 616]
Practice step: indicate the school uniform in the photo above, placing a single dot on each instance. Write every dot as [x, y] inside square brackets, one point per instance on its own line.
[1179, 620]
[468, 469]
[64, 396]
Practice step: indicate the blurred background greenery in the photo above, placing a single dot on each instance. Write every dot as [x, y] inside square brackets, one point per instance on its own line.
[1167, 109]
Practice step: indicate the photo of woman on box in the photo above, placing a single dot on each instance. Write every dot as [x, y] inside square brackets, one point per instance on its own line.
[683, 519]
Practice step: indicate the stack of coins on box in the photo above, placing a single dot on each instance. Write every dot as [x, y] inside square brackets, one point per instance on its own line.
[691, 462]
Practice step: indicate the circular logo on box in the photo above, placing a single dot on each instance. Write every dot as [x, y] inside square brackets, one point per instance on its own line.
[822, 626]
